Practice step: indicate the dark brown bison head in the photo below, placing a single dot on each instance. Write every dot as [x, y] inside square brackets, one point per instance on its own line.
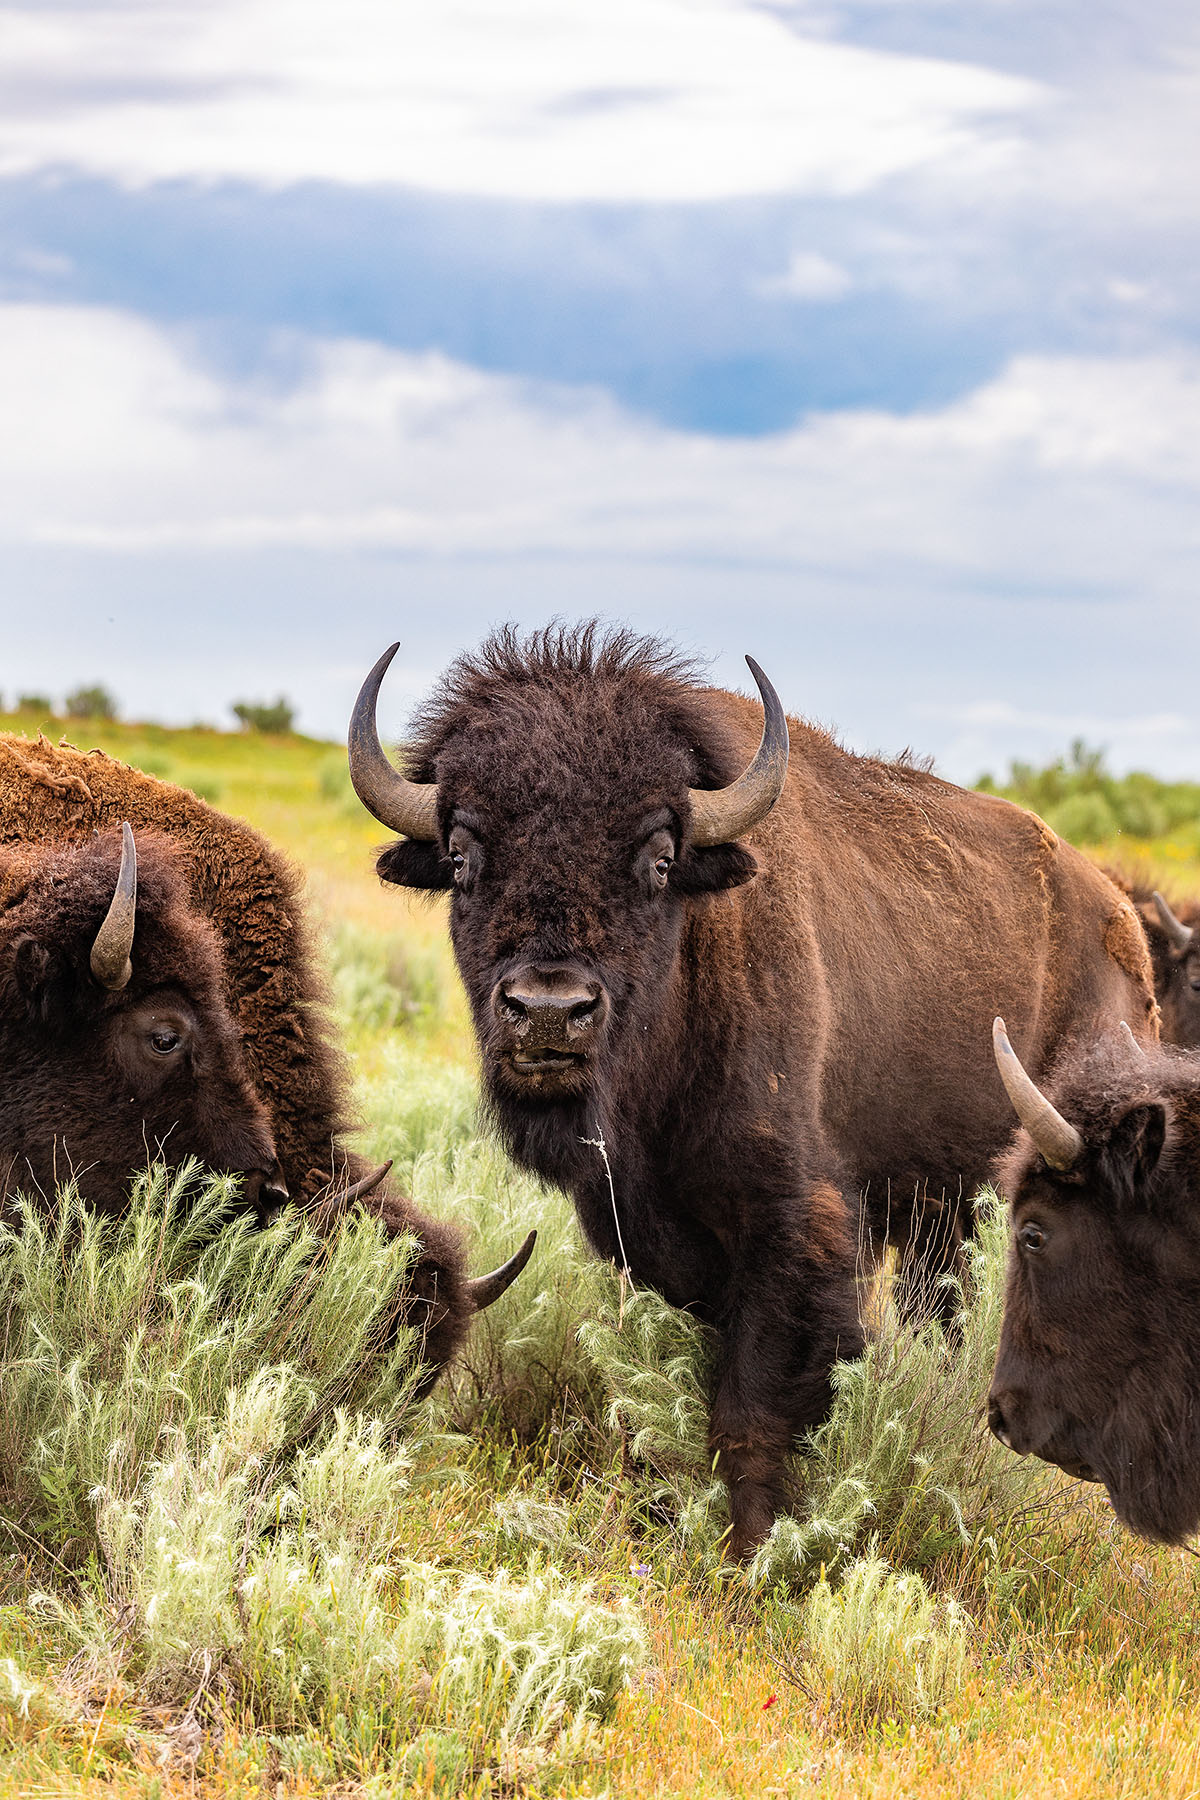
[574, 791]
[1175, 952]
[1098, 1368]
[117, 1046]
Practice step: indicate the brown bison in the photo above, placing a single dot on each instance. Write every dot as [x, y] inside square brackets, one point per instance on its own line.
[1098, 1368]
[1175, 952]
[158, 1001]
[748, 990]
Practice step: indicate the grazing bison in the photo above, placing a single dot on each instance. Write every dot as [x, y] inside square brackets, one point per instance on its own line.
[749, 990]
[158, 999]
[1098, 1368]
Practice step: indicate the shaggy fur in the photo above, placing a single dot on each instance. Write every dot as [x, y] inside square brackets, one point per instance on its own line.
[1176, 972]
[1099, 1362]
[220, 921]
[85, 1091]
[782, 1023]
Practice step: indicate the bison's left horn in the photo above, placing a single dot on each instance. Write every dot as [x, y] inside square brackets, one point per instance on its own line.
[1131, 1043]
[113, 948]
[409, 807]
[485, 1289]
[1058, 1141]
[1180, 934]
[721, 814]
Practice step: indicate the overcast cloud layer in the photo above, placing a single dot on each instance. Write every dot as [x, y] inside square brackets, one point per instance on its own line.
[861, 337]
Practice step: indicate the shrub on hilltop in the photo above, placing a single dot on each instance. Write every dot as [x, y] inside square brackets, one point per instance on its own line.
[1082, 800]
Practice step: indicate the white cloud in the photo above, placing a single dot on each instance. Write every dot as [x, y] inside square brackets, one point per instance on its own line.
[546, 99]
[808, 276]
[1062, 475]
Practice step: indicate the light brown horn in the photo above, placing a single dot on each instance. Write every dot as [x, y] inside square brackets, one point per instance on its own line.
[409, 807]
[366, 1186]
[1059, 1142]
[1180, 934]
[1131, 1042]
[113, 948]
[721, 814]
[485, 1289]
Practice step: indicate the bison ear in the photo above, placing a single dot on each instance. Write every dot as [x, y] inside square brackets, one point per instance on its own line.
[27, 987]
[1134, 1149]
[416, 864]
[711, 870]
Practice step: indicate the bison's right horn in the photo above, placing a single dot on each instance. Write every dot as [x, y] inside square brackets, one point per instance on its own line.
[1059, 1142]
[1131, 1043]
[1180, 934]
[721, 814]
[365, 1186]
[113, 948]
[409, 807]
[485, 1289]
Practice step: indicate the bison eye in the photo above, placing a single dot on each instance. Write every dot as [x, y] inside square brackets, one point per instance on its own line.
[164, 1041]
[1031, 1236]
[662, 868]
[459, 862]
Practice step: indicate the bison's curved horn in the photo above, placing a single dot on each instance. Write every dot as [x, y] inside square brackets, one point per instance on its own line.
[722, 814]
[485, 1289]
[113, 948]
[1180, 934]
[1131, 1042]
[406, 806]
[366, 1186]
[1059, 1142]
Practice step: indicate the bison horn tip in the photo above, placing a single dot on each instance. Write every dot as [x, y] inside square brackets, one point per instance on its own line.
[1180, 934]
[484, 1290]
[112, 951]
[1055, 1138]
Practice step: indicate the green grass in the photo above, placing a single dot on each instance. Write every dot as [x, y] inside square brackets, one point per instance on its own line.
[237, 1560]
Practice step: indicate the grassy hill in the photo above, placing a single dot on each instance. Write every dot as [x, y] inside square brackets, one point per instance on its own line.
[519, 1589]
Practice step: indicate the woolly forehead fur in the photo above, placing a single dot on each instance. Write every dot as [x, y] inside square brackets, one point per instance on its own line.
[1094, 1088]
[622, 710]
[60, 893]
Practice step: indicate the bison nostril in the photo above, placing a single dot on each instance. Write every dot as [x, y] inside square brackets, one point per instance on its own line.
[583, 1011]
[997, 1423]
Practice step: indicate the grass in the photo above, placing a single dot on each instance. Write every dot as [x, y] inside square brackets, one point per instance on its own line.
[236, 1560]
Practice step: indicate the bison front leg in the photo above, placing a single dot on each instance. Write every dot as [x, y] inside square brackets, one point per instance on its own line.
[793, 1313]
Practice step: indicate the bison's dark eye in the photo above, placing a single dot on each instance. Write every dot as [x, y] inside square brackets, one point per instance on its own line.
[165, 1041]
[662, 868]
[1031, 1236]
[459, 863]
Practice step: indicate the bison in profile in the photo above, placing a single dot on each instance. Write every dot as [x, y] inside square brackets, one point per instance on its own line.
[748, 989]
[1098, 1368]
[158, 1000]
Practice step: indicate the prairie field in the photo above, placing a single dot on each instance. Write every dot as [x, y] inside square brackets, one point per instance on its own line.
[517, 1586]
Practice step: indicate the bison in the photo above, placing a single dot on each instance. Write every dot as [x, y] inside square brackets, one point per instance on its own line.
[1098, 1368]
[1175, 952]
[158, 1000]
[719, 994]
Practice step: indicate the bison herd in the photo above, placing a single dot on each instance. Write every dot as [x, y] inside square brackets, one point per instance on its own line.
[734, 989]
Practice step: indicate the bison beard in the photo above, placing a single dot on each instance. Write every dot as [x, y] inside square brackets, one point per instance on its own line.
[759, 1031]
[222, 947]
[1098, 1365]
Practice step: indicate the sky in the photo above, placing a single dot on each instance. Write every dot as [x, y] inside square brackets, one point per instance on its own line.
[859, 336]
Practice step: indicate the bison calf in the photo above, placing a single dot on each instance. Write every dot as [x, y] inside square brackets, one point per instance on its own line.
[1098, 1368]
